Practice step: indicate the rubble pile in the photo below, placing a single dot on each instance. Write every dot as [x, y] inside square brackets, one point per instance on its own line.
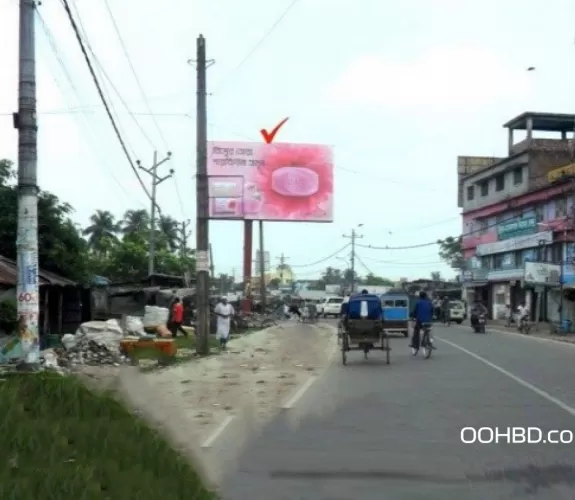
[95, 343]
[87, 351]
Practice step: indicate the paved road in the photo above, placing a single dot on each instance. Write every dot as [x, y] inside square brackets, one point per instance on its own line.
[370, 431]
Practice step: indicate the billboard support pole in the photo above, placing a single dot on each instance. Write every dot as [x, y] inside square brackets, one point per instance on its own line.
[248, 240]
[202, 202]
[262, 266]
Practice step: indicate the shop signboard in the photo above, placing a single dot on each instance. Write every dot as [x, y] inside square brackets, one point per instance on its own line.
[542, 273]
[517, 227]
[518, 243]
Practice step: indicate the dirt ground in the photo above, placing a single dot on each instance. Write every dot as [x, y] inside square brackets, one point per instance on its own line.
[258, 372]
[192, 400]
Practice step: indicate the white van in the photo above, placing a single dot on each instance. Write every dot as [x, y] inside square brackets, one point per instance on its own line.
[331, 306]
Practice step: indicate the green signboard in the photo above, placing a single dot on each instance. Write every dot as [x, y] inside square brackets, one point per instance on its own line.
[517, 227]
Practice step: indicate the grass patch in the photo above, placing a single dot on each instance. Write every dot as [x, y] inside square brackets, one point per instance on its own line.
[63, 442]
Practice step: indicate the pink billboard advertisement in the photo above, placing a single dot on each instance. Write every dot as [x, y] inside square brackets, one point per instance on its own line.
[275, 182]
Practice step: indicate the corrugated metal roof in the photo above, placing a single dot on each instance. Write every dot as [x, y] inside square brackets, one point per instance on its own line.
[9, 275]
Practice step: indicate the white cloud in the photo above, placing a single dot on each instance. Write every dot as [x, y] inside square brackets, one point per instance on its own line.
[445, 77]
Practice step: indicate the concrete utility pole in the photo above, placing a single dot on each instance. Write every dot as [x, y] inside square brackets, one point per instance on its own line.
[156, 181]
[282, 260]
[184, 235]
[354, 236]
[202, 201]
[27, 290]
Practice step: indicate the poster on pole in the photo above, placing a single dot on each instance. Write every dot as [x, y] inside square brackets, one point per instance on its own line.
[270, 182]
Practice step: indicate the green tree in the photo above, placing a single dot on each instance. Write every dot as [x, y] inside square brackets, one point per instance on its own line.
[332, 276]
[102, 232]
[436, 276]
[136, 221]
[373, 280]
[274, 283]
[168, 232]
[61, 248]
[451, 251]
[349, 276]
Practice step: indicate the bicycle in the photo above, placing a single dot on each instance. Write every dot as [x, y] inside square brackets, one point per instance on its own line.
[425, 343]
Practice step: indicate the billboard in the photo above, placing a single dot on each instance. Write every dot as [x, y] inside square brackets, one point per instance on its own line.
[273, 182]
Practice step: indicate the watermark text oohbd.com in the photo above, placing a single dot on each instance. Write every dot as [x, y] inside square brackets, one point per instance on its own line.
[515, 435]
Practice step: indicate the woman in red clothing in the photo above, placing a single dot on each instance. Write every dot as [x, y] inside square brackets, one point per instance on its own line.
[177, 318]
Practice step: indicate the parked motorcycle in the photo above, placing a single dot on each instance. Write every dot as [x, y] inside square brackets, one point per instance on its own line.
[479, 326]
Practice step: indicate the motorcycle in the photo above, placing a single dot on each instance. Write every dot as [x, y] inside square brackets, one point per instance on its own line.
[479, 326]
[523, 325]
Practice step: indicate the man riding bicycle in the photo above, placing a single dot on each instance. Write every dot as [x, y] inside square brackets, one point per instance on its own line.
[423, 313]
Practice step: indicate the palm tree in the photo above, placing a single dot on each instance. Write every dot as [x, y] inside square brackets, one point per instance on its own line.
[135, 221]
[168, 228]
[101, 231]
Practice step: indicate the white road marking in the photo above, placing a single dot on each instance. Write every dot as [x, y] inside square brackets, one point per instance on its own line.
[218, 432]
[300, 392]
[517, 379]
[532, 337]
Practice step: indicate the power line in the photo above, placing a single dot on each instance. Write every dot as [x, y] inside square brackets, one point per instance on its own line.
[144, 97]
[133, 69]
[324, 259]
[68, 77]
[358, 258]
[399, 262]
[103, 98]
[422, 245]
[261, 41]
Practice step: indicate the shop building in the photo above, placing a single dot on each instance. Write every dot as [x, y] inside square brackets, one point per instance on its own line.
[516, 213]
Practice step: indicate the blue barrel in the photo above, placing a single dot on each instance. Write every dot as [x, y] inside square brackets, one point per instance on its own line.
[566, 325]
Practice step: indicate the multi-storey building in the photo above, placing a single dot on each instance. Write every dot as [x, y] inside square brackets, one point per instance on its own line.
[515, 214]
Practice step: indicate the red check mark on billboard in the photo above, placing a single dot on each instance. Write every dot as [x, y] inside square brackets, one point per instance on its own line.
[269, 136]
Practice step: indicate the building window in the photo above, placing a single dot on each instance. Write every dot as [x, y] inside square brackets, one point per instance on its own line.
[500, 182]
[486, 262]
[498, 261]
[482, 226]
[539, 212]
[484, 188]
[560, 207]
[470, 193]
[556, 251]
[518, 176]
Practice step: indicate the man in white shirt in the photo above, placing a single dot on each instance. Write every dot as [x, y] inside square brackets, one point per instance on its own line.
[523, 312]
[224, 312]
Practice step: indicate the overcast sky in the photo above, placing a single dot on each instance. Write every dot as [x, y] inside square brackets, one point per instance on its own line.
[399, 89]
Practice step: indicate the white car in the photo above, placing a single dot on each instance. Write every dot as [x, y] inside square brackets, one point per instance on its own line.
[457, 311]
[331, 306]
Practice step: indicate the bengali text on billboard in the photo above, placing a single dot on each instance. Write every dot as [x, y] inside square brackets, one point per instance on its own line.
[276, 182]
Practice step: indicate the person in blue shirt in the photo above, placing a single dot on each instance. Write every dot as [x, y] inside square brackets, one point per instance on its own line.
[423, 313]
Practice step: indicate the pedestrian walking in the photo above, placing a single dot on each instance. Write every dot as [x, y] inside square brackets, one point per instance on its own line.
[224, 313]
[177, 319]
